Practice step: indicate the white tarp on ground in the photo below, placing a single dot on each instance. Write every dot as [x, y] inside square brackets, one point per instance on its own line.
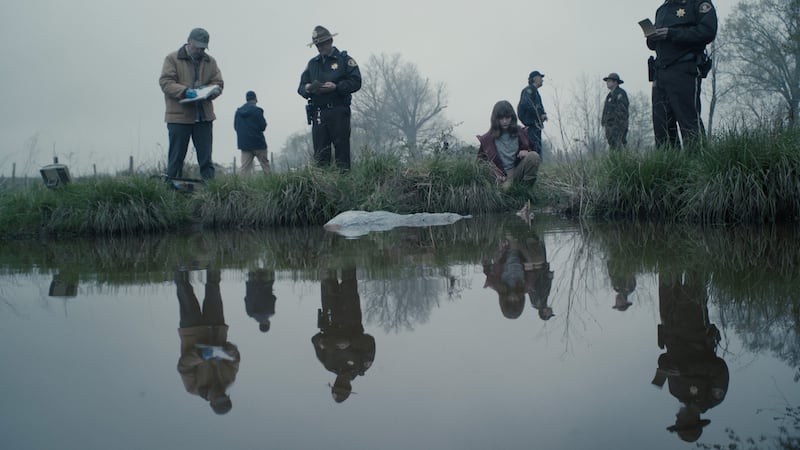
[360, 223]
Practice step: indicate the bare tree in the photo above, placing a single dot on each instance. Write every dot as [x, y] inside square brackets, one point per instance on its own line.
[297, 151]
[640, 121]
[397, 105]
[763, 39]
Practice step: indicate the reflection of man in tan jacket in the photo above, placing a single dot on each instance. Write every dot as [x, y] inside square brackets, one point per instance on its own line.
[208, 363]
[183, 73]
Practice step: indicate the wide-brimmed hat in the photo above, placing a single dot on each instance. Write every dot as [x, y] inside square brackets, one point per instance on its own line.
[613, 76]
[621, 302]
[320, 35]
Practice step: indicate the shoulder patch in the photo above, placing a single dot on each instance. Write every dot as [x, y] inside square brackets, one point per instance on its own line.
[352, 62]
[705, 7]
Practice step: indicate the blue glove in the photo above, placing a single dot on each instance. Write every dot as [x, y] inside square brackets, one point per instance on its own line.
[190, 93]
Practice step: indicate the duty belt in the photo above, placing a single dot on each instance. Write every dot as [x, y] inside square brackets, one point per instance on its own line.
[685, 58]
[327, 105]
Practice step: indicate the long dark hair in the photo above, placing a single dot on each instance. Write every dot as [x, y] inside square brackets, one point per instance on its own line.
[503, 109]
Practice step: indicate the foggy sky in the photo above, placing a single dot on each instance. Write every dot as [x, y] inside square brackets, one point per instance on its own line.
[82, 76]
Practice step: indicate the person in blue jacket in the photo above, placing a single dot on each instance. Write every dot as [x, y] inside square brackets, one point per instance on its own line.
[249, 123]
[531, 111]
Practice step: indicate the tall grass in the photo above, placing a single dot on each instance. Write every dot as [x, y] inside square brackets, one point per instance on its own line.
[101, 206]
[310, 196]
[751, 177]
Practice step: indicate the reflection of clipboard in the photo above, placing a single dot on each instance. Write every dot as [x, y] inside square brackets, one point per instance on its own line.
[647, 27]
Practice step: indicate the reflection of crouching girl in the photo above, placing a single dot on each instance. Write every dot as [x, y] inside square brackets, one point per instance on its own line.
[510, 273]
[507, 147]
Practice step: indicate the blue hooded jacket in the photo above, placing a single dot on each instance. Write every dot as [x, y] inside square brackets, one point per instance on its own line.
[249, 123]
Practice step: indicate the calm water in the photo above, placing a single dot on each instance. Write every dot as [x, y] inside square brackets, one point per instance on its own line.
[486, 334]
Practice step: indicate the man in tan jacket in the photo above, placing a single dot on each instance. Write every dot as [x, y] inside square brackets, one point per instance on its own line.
[187, 79]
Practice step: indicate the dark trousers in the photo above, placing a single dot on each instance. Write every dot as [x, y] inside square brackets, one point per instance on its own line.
[535, 136]
[201, 135]
[617, 137]
[331, 126]
[191, 315]
[676, 103]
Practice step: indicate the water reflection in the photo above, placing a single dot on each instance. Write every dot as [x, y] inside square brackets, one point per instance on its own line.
[259, 299]
[697, 377]
[623, 281]
[341, 344]
[712, 293]
[63, 285]
[519, 266]
[208, 363]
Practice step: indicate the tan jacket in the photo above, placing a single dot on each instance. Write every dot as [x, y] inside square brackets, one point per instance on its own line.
[177, 75]
[199, 375]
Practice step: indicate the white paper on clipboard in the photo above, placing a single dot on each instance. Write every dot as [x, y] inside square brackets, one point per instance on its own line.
[202, 93]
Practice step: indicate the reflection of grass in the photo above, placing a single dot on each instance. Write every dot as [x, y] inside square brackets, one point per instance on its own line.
[302, 250]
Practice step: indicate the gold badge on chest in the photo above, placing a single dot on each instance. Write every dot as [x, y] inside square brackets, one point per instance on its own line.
[334, 66]
[681, 12]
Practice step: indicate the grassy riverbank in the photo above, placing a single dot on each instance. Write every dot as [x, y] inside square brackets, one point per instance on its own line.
[130, 205]
[751, 177]
[742, 178]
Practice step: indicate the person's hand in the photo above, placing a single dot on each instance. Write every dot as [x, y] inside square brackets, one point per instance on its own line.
[544, 117]
[313, 87]
[190, 93]
[327, 86]
[660, 34]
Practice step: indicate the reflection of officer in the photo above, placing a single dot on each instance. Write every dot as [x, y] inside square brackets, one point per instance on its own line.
[259, 300]
[208, 363]
[531, 111]
[341, 345]
[615, 113]
[623, 281]
[328, 82]
[696, 375]
[683, 29]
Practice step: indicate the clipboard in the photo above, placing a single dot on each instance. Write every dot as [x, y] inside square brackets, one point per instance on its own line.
[202, 94]
[647, 27]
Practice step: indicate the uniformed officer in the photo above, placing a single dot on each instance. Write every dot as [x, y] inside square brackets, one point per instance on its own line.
[328, 82]
[615, 113]
[531, 111]
[683, 28]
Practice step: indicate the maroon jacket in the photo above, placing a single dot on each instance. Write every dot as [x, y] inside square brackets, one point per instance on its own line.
[488, 151]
